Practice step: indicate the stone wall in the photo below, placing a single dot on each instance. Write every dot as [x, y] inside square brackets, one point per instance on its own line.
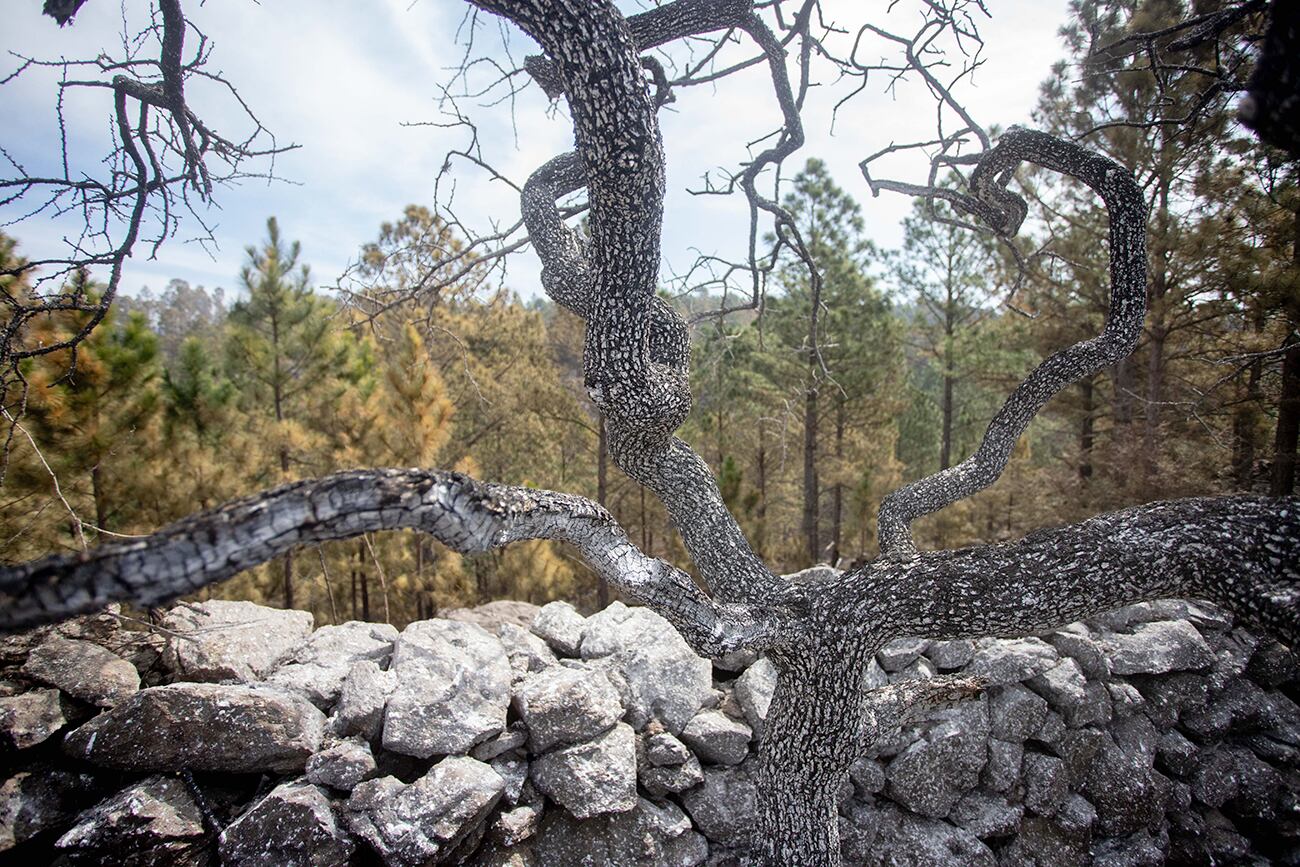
[512, 735]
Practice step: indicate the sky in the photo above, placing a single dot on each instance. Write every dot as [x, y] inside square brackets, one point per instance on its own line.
[352, 83]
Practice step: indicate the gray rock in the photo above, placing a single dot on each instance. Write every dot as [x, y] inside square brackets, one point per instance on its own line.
[1176, 753]
[1052, 729]
[561, 626]
[1066, 690]
[30, 718]
[1158, 648]
[986, 815]
[319, 666]
[493, 615]
[1135, 850]
[1007, 662]
[424, 822]
[951, 655]
[293, 826]
[223, 641]
[898, 654]
[511, 739]
[649, 835]
[1015, 713]
[362, 699]
[932, 774]
[1041, 842]
[1273, 664]
[527, 653]
[664, 750]
[1168, 697]
[34, 802]
[725, 806]
[736, 660]
[82, 670]
[665, 679]
[1126, 792]
[342, 764]
[563, 705]
[593, 778]
[514, 773]
[1125, 699]
[453, 689]
[1002, 771]
[905, 840]
[1087, 653]
[1046, 785]
[754, 690]
[918, 669]
[204, 727]
[717, 738]
[517, 825]
[152, 822]
[875, 676]
[1076, 815]
[670, 779]
[867, 775]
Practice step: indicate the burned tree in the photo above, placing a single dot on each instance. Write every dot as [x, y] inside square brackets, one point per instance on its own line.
[821, 631]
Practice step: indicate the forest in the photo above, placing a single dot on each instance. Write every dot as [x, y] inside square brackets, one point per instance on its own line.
[189, 397]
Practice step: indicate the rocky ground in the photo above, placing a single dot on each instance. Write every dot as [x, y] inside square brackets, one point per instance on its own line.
[512, 735]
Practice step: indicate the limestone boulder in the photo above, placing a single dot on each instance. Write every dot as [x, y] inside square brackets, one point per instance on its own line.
[230, 641]
[83, 670]
[563, 705]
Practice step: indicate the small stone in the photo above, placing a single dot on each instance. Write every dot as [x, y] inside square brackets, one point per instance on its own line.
[293, 826]
[318, 667]
[951, 655]
[527, 653]
[717, 738]
[362, 698]
[511, 739]
[918, 840]
[152, 822]
[1015, 713]
[342, 764]
[204, 727]
[30, 718]
[493, 615]
[592, 778]
[1076, 815]
[1046, 786]
[754, 690]
[561, 626]
[901, 652]
[517, 825]
[1003, 769]
[82, 670]
[986, 816]
[562, 705]
[671, 779]
[664, 750]
[230, 641]
[918, 669]
[1087, 653]
[867, 775]
[1176, 753]
[932, 774]
[514, 773]
[1159, 648]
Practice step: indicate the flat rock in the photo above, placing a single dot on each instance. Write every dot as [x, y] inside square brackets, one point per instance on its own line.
[592, 778]
[152, 822]
[1158, 648]
[717, 738]
[424, 822]
[725, 807]
[663, 749]
[563, 705]
[1006, 662]
[665, 679]
[362, 699]
[230, 641]
[561, 626]
[83, 670]
[293, 826]
[30, 718]
[453, 689]
[204, 727]
[342, 764]
[318, 667]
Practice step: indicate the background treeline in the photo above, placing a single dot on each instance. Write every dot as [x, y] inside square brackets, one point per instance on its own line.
[810, 413]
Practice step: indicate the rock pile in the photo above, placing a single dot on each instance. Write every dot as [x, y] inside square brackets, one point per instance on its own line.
[512, 735]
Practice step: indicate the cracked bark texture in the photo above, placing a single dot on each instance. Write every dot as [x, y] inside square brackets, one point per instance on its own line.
[821, 632]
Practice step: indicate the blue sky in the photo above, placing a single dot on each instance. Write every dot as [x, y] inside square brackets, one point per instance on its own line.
[341, 79]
